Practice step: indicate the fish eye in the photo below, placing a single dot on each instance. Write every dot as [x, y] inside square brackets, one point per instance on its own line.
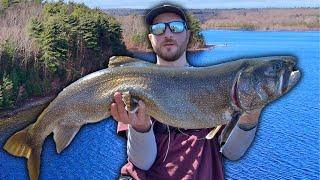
[277, 66]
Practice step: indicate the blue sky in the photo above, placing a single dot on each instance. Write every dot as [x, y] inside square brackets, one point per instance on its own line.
[107, 4]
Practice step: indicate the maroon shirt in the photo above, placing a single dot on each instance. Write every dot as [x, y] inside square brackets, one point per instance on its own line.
[190, 156]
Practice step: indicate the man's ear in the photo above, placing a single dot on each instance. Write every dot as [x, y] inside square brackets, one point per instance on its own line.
[188, 35]
[150, 37]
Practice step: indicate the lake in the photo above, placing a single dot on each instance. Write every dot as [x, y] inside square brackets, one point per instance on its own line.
[286, 145]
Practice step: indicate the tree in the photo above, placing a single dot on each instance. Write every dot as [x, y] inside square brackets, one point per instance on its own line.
[196, 39]
[74, 39]
[7, 92]
[5, 3]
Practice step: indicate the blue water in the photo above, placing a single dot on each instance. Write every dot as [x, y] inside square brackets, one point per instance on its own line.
[286, 145]
[287, 142]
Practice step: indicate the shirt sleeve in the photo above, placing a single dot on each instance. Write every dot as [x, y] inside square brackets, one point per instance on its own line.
[141, 148]
[237, 143]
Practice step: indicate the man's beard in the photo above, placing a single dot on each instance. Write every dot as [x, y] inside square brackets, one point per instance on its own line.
[171, 56]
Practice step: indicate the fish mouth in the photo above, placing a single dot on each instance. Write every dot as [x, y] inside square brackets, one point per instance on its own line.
[288, 80]
[293, 79]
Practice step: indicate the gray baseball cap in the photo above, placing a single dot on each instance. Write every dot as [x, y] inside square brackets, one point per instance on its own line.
[164, 8]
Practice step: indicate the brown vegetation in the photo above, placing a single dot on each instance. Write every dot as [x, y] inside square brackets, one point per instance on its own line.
[13, 26]
[264, 19]
[134, 31]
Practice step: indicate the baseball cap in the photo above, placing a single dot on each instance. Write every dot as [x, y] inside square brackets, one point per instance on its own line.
[164, 8]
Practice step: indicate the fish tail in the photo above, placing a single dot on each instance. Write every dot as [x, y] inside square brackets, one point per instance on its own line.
[19, 145]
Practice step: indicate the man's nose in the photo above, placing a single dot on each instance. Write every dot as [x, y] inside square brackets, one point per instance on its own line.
[167, 32]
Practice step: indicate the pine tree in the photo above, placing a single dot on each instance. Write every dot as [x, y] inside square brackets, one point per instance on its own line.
[7, 92]
[196, 39]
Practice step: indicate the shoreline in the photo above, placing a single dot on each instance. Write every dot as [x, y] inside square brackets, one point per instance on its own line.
[26, 105]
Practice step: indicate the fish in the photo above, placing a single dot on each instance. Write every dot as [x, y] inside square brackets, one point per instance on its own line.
[183, 97]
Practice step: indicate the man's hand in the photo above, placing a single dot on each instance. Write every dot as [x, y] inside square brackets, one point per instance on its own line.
[249, 120]
[139, 120]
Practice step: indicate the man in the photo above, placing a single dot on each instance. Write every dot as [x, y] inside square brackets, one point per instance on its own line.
[157, 151]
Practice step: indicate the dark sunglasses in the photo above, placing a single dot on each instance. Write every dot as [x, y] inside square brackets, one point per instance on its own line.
[174, 26]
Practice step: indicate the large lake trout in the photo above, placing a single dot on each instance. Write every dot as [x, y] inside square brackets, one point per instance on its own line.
[184, 97]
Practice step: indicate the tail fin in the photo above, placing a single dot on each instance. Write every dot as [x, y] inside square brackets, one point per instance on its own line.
[20, 145]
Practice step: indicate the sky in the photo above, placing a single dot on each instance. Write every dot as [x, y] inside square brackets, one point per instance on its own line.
[200, 4]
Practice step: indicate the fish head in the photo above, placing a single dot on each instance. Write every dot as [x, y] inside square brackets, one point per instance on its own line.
[263, 81]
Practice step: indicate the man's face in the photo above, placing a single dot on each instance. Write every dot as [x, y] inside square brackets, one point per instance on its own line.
[169, 46]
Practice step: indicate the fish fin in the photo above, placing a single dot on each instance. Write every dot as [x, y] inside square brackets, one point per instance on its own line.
[63, 135]
[212, 133]
[34, 164]
[117, 61]
[131, 103]
[19, 145]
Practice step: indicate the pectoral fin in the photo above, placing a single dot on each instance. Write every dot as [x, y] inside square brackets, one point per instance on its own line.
[131, 103]
[63, 135]
[213, 132]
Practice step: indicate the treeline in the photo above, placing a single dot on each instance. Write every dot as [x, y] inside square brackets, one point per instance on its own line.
[68, 40]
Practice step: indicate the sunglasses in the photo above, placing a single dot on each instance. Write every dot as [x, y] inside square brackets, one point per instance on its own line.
[174, 26]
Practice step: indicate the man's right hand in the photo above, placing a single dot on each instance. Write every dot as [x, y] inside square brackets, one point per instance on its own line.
[139, 120]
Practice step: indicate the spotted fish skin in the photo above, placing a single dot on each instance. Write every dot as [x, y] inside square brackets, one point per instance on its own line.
[185, 97]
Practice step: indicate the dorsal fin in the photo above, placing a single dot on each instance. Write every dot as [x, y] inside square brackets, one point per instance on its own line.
[116, 61]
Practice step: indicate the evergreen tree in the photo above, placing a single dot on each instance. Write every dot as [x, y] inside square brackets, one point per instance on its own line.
[7, 92]
[196, 39]
[5, 3]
